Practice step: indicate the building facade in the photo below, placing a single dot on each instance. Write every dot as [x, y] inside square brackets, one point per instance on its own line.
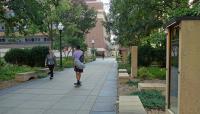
[96, 38]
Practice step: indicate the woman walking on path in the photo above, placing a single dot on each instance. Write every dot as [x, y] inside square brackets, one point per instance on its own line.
[50, 61]
[78, 56]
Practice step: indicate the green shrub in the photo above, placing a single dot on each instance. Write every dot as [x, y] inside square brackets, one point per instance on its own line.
[9, 71]
[151, 99]
[68, 62]
[133, 83]
[90, 59]
[2, 62]
[32, 57]
[15, 56]
[125, 66]
[145, 55]
[38, 55]
[118, 58]
[41, 74]
[152, 73]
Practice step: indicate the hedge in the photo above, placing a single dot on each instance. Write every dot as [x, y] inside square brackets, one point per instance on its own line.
[31, 57]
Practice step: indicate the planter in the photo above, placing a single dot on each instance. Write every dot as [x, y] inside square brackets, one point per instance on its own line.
[152, 86]
[122, 71]
[45, 70]
[123, 78]
[22, 77]
[6, 84]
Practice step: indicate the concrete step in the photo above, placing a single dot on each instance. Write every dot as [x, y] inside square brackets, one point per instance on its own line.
[152, 86]
[130, 105]
[122, 71]
[146, 86]
[123, 77]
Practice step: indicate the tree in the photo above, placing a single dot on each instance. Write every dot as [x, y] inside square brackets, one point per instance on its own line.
[54, 11]
[132, 20]
[21, 14]
[79, 19]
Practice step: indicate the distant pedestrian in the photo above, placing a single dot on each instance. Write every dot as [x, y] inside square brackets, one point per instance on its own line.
[78, 56]
[103, 55]
[50, 61]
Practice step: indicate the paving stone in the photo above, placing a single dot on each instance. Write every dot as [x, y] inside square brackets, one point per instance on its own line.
[106, 99]
[130, 105]
[59, 96]
[25, 111]
[60, 111]
[83, 112]
[104, 107]
[103, 113]
[36, 104]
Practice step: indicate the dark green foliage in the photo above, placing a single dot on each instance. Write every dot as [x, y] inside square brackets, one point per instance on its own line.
[2, 62]
[145, 55]
[185, 11]
[90, 59]
[67, 62]
[153, 50]
[151, 99]
[129, 58]
[152, 73]
[125, 66]
[32, 57]
[160, 56]
[8, 71]
[41, 75]
[16, 56]
[133, 83]
[39, 54]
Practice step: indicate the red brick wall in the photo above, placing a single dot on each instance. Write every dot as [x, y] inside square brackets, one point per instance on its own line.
[96, 34]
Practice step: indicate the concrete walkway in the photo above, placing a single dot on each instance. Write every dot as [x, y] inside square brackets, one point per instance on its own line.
[97, 95]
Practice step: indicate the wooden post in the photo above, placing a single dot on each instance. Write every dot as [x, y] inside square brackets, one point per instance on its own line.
[134, 61]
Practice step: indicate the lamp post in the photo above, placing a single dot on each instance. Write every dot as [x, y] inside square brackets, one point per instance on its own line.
[60, 28]
[93, 42]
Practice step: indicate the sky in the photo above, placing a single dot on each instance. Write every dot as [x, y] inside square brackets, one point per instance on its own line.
[106, 5]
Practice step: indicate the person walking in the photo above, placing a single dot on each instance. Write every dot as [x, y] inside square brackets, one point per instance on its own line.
[78, 57]
[103, 55]
[50, 62]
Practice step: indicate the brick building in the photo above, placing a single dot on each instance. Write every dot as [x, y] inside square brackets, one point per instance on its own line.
[97, 36]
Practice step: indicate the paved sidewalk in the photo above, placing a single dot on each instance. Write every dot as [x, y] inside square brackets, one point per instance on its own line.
[97, 95]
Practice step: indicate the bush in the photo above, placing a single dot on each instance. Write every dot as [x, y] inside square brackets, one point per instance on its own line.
[160, 56]
[16, 56]
[67, 62]
[32, 57]
[90, 59]
[2, 63]
[9, 71]
[118, 58]
[133, 83]
[125, 66]
[147, 54]
[152, 73]
[151, 99]
[38, 55]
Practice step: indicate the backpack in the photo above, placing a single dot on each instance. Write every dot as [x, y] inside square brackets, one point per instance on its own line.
[82, 58]
[50, 60]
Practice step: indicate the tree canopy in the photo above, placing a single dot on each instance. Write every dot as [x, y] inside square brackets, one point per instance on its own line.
[33, 16]
[133, 20]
